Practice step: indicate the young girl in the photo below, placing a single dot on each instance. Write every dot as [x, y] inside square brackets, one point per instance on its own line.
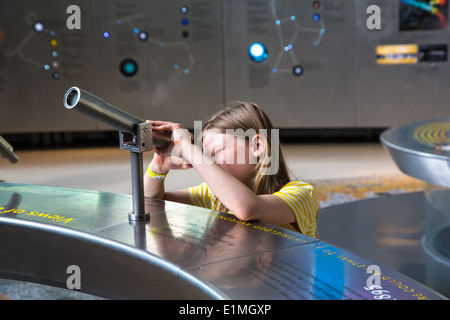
[237, 170]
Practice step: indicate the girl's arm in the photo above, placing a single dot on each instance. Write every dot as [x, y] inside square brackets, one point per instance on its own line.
[161, 163]
[236, 196]
[155, 189]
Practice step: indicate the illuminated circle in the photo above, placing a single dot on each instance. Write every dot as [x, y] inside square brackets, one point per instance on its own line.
[316, 17]
[47, 67]
[128, 67]
[257, 52]
[433, 134]
[297, 70]
[143, 36]
[53, 42]
[55, 64]
[184, 22]
[54, 53]
[106, 34]
[38, 26]
[184, 9]
[52, 33]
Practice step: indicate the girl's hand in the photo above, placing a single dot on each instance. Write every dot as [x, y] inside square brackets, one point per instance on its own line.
[171, 157]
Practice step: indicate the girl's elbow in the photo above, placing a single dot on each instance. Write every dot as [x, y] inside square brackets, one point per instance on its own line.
[247, 212]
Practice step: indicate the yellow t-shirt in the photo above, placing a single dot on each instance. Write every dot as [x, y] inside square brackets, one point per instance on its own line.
[299, 196]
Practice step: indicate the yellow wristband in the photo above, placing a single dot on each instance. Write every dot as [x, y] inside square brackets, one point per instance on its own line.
[156, 176]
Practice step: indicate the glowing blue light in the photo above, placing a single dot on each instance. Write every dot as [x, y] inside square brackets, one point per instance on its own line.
[186, 71]
[136, 30]
[176, 67]
[129, 67]
[292, 17]
[258, 52]
[277, 22]
[38, 26]
[52, 33]
[143, 35]
[184, 9]
[106, 34]
[184, 22]
[297, 70]
[316, 17]
[274, 70]
[47, 67]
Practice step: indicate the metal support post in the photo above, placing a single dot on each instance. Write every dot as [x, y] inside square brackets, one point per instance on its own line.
[137, 185]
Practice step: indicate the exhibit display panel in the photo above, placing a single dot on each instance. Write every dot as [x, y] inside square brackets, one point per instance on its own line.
[308, 64]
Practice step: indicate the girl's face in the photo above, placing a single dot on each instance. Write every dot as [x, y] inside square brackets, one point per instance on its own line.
[232, 153]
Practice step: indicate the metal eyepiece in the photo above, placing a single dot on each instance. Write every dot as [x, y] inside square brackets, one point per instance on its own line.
[135, 135]
[97, 109]
[72, 97]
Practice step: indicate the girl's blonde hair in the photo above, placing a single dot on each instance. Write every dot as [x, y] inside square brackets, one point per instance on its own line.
[245, 116]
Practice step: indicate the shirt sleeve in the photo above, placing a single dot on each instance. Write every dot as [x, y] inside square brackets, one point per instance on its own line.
[200, 196]
[302, 199]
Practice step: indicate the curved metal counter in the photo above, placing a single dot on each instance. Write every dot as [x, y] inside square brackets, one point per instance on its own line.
[391, 231]
[409, 233]
[183, 252]
[422, 149]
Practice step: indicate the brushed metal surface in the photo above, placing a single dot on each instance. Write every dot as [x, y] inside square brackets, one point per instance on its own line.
[183, 252]
[422, 150]
[391, 231]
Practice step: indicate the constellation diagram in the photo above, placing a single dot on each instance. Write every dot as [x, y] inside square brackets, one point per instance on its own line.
[287, 42]
[37, 27]
[129, 67]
